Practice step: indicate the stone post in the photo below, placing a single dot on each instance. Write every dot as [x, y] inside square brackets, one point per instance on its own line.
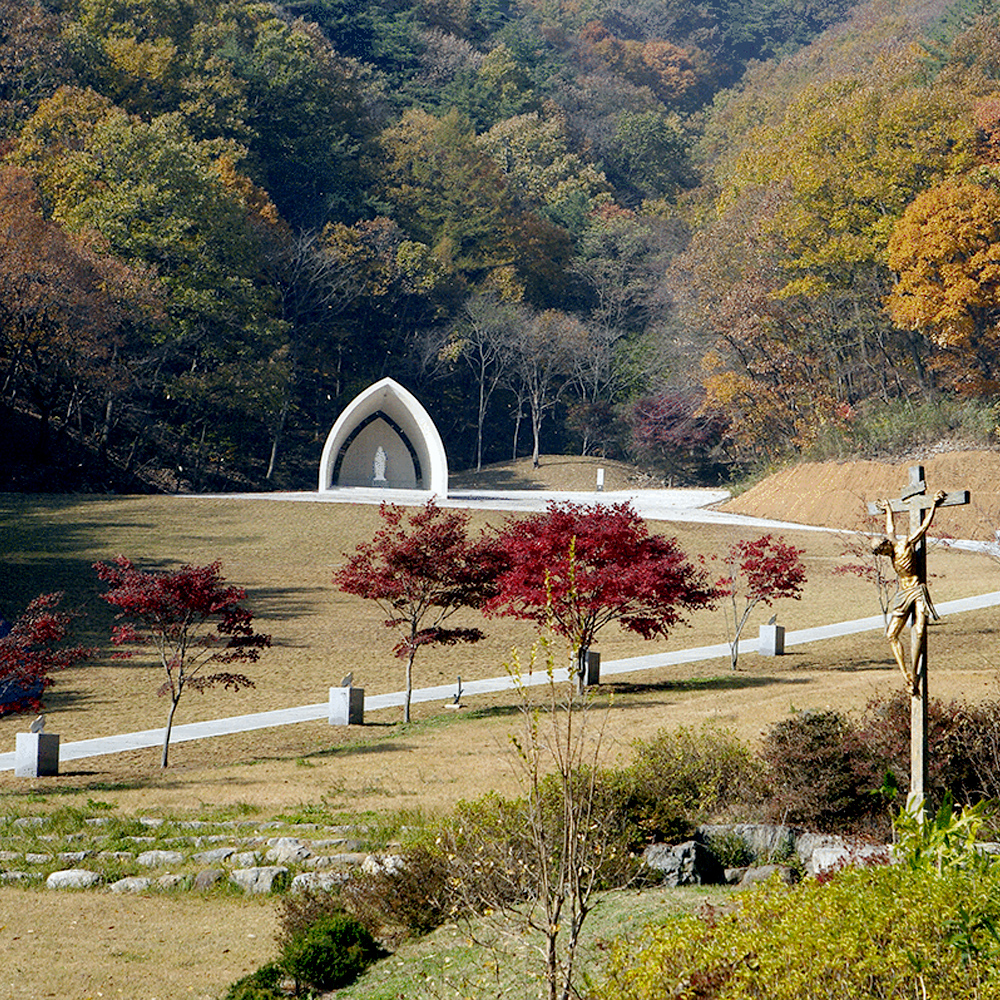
[36, 755]
[347, 706]
[772, 640]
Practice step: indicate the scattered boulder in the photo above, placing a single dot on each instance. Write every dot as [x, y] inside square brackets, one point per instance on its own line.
[265, 879]
[383, 864]
[131, 883]
[246, 859]
[214, 856]
[72, 878]
[319, 881]
[207, 878]
[173, 881]
[761, 873]
[352, 860]
[18, 876]
[690, 863]
[807, 844]
[765, 843]
[287, 850]
[157, 859]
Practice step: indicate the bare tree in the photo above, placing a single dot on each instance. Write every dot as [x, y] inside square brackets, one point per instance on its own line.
[484, 340]
[543, 350]
[536, 863]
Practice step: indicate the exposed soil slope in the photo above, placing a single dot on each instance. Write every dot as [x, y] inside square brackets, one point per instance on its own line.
[833, 494]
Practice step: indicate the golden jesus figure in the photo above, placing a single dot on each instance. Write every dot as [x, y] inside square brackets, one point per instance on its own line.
[913, 599]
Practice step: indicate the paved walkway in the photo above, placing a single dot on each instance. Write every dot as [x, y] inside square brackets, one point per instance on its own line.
[443, 693]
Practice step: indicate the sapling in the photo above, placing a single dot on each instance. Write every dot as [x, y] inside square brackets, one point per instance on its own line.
[420, 569]
[758, 572]
[190, 618]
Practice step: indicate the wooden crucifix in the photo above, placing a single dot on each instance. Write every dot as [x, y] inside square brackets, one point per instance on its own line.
[913, 604]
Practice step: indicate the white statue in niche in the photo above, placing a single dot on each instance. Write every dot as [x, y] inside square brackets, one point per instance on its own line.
[378, 467]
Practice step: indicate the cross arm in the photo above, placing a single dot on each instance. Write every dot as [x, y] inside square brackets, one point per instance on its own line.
[920, 501]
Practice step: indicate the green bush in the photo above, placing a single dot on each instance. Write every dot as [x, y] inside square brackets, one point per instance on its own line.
[683, 777]
[882, 428]
[298, 911]
[332, 952]
[893, 932]
[264, 984]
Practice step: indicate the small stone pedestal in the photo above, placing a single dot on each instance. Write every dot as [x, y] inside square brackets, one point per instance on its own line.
[589, 669]
[36, 755]
[772, 640]
[347, 706]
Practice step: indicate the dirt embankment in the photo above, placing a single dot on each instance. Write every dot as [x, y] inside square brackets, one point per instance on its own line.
[833, 494]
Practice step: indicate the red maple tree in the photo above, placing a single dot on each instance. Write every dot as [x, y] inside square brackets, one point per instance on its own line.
[579, 568]
[31, 650]
[420, 568]
[758, 572]
[190, 618]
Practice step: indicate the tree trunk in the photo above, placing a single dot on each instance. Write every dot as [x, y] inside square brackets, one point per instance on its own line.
[105, 433]
[536, 430]
[277, 439]
[166, 734]
[409, 683]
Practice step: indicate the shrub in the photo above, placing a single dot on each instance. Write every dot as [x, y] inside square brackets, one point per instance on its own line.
[332, 952]
[264, 984]
[963, 743]
[893, 932]
[731, 850]
[411, 898]
[298, 911]
[820, 774]
[828, 772]
[684, 777]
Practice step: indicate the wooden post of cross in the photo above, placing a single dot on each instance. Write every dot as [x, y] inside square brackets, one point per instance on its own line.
[910, 562]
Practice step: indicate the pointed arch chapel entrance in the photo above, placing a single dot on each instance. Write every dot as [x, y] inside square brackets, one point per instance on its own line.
[384, 438]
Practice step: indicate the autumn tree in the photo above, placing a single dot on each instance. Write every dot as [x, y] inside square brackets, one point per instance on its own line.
[946, 251]
[64, 309]
[578, 568]
[192, 621]
[543, 171]
[167, 204]
[33, 59]
[421, 568]
[31, 650]
[674, 430]
[758, 572]
[445, 192]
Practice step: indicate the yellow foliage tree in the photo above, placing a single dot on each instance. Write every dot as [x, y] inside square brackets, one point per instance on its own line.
[946, 252]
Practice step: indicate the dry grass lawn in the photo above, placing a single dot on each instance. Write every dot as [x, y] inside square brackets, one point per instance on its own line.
[74, 946]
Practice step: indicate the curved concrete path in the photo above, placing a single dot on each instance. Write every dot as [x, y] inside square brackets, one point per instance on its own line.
[690, 505]
[311, 713]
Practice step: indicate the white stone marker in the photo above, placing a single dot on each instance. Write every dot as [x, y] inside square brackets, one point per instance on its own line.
[772, 640]
[600, 480]
[347, 706]
[36, 755]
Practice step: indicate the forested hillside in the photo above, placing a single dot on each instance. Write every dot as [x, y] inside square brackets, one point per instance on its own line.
[698, 236]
